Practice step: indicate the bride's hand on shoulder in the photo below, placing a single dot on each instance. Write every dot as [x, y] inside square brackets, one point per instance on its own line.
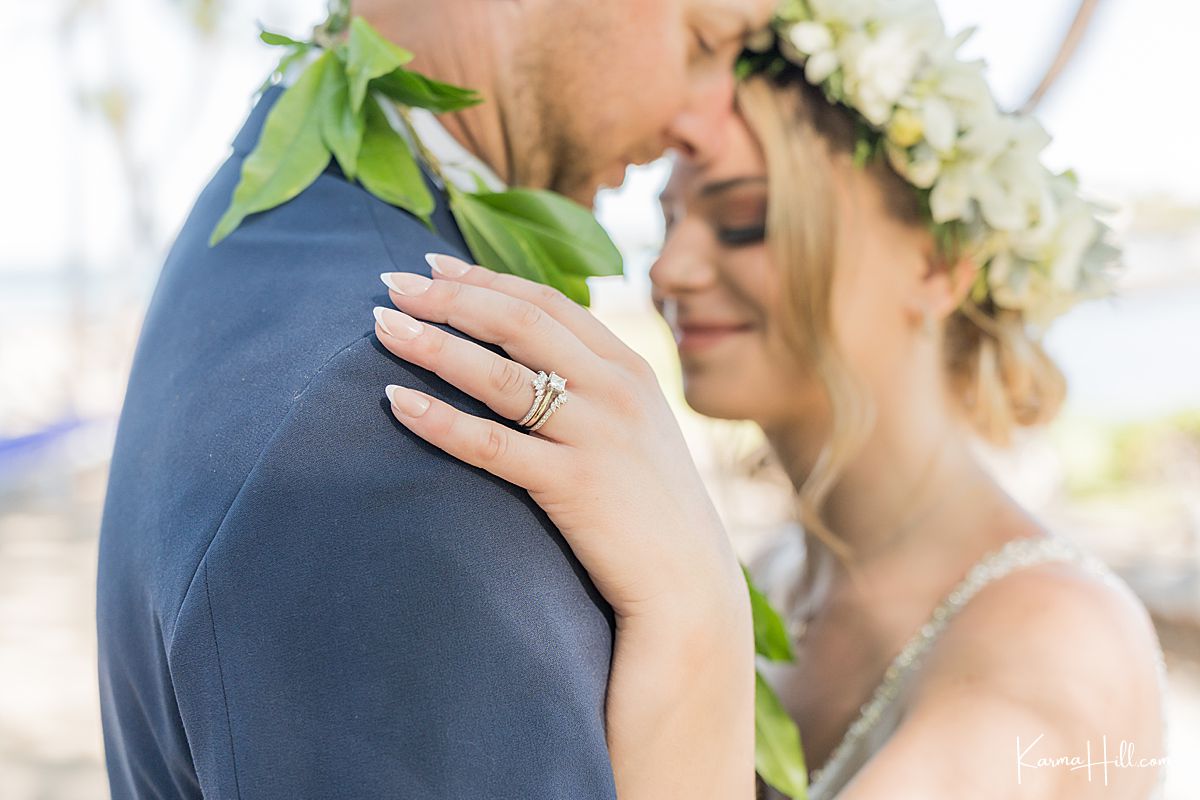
[610, 467]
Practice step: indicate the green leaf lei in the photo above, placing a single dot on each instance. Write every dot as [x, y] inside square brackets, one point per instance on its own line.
[334, 111]
[778, 756]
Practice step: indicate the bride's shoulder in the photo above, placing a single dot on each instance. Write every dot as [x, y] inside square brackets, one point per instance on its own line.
[1056, 658]
[1064, 642]
[1055, 610]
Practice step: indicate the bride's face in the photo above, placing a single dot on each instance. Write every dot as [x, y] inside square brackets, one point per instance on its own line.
[721, 291]
[717, 287]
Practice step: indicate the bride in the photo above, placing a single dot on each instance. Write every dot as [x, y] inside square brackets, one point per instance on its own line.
[872, 322]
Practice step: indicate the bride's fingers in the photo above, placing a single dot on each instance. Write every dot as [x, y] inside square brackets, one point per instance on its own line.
[575, 317]
[514, 456]
[527, 333]
[502, 384]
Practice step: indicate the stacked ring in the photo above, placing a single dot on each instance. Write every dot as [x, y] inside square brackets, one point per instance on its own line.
[550, 392]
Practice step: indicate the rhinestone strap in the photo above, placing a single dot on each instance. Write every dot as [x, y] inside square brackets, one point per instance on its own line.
[1014, 555]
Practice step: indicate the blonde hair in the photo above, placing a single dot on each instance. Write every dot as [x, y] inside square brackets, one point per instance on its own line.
[999, 374]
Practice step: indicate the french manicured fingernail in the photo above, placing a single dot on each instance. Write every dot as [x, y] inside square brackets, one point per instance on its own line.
[406, 401]
[449, 266]
[406, 283]
[397, 323]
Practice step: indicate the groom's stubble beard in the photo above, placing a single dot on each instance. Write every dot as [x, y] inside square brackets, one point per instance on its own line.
[567, 163]
[557, 123]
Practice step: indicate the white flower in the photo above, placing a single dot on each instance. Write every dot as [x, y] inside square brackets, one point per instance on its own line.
[940, 123]
[810, 38]
[815, 42]
[881, 59]
[952, 86]
[845, 14]
[1009, 280]
[952, 195]
[920, 165]
[1013, 196]
[1043, 247]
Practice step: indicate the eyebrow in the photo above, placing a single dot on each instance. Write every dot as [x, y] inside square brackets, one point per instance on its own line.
[717, 187]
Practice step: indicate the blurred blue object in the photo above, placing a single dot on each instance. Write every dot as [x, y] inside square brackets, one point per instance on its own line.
[21, 453]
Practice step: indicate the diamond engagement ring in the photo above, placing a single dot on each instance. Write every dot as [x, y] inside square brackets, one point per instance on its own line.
[550, 392]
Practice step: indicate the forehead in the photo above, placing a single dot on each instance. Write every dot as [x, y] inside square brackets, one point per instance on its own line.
[739, 157]
[746, 15]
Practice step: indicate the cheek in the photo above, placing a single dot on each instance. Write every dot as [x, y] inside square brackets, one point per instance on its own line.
[758, 288]
[785, 386]
[750, 278]
[761, 379]
[635, 93]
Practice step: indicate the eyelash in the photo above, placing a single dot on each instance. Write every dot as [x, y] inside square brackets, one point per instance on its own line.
[742, 237]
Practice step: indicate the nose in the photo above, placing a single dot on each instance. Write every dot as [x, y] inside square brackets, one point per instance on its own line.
[682, 267]
[697, 131]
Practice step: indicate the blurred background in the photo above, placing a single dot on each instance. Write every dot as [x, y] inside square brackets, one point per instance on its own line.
[118, 111]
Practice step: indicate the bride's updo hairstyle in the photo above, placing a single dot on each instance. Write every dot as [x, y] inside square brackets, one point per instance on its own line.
[1000, 375]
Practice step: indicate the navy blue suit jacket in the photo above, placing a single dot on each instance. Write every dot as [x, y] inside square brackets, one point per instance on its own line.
[297, 598]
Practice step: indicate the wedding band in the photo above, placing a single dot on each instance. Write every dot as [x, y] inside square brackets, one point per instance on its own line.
[540, 381]
[558, 401]
[550, 392]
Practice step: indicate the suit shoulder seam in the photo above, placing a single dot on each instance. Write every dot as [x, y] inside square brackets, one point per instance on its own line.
[266, 447]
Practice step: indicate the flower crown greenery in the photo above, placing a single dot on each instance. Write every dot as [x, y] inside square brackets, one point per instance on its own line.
[984, 190]
[335, 109]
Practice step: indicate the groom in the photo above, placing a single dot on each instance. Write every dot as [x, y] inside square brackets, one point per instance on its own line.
[296, 597]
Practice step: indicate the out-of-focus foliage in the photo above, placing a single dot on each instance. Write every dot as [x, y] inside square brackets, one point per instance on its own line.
[1106, 458]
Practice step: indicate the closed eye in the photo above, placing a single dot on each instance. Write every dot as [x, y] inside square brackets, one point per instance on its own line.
[741, 237]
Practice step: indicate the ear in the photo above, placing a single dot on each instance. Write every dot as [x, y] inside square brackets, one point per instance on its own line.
[943, 287]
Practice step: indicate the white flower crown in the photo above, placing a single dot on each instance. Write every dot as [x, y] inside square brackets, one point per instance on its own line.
[1040, 246]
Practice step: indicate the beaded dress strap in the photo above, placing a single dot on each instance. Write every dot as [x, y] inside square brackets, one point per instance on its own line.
[1013, 555]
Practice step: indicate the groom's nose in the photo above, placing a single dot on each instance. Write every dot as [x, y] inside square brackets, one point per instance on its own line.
[697, 131]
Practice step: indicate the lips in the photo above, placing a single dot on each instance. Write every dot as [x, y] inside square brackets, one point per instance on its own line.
[695, 336]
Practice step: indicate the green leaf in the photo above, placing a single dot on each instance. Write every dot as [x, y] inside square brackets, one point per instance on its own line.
[339, 16]
[281, 68]
[778, 757]
[770, 634]
[492, 243]
[290, 153]
[278, 39]
[864, 151]
[414, 89]
[565, 232]
[386, 166]
[341, 128]
[369, 56]
[538, 235]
